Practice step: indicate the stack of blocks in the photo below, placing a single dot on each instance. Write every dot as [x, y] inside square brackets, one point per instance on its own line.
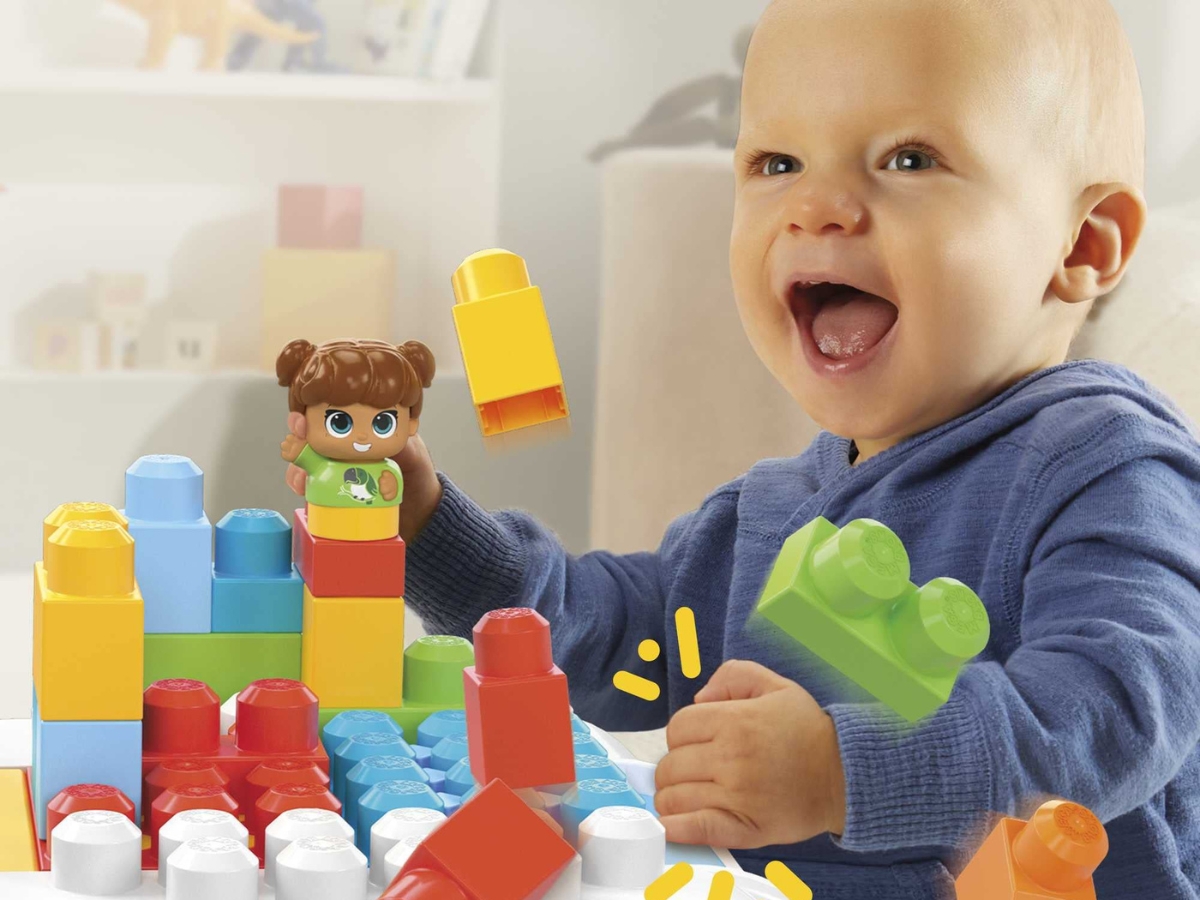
[87, 656]
[318, 263]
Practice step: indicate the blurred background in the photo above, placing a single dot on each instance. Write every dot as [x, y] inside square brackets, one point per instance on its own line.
[165, 228]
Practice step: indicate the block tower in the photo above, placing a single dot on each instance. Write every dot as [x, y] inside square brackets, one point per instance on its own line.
[226, 619]
[87, 657]
[352, 564]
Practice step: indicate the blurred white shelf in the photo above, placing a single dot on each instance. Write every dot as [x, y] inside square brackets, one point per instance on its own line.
[245, 86]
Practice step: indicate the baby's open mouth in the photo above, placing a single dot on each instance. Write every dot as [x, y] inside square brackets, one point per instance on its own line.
[843, 320]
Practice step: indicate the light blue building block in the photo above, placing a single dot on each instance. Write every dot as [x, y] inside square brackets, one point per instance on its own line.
[164, 502]
[590, 795]
[386, 796]
[67, 753]
[441, 724]
[459, 779]
[586, 744]
[448, 751]
[589, 766]
[358, 747]
[257, 605]
[373, 770]
[355, 721]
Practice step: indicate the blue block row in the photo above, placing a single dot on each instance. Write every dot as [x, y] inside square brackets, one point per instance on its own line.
[257, 605]
[253, 543]
[67, 753]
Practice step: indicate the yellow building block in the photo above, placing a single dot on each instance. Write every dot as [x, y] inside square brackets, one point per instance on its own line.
[352, 651]
[88, 625]
[507, 349]
[73, 512]
[323, 295]
[18, 844]
[350, 524]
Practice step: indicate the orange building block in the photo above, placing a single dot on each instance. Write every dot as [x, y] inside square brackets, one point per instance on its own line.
[518, 711]
[494, 848]
[1050, 857]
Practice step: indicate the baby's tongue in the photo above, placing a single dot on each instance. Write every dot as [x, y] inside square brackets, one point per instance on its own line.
[851, 322]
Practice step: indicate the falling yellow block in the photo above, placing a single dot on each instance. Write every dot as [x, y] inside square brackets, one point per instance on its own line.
[18, 845]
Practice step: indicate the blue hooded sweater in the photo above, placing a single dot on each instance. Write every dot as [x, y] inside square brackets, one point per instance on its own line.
[1070, 503]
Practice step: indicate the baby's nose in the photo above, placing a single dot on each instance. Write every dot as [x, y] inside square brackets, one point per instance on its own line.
[819, 209]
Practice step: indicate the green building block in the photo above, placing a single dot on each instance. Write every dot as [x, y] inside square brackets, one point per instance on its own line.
[225, 662]
[845, 594]
[433, 681]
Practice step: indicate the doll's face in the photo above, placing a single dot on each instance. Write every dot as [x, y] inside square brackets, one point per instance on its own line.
[357, 432]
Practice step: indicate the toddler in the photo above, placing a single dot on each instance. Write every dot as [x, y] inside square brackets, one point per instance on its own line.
[931, 194]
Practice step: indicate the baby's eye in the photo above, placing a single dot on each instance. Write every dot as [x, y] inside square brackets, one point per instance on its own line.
[338, 423]
[779, 164]
[384, 424]
[910, 160]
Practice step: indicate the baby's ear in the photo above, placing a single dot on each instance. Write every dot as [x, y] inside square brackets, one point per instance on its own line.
[1110, 231]
[298, 425]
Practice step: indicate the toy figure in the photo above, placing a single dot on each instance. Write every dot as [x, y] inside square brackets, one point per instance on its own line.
[303, 14]
[672, 120]
[354, 405]
[214, 21]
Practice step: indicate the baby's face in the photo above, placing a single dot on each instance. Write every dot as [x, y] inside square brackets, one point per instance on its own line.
[356, 432]
[898, 219]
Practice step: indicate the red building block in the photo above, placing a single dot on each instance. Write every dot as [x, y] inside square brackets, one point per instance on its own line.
[518, 711]
[180, 716]
[423, 884]
[282, 797]
[1050, 857]
[494, 848]
[275, 772]
[79, 797]
[179, 772]
[320, 217]
[276, 720]
[347, 568]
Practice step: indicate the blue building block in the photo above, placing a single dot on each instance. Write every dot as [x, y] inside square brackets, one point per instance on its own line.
[448, 751]
[586, 744]
[386, 796]
[589, 766]
[358, 747]
[579, 726]
[164, 502]
[590, 795]
[253, 543]
[441, 724]
[355, 721]
[258, 605]
[423, 755]
[373, 770]
[459, 779]
[450, 802]
[67, 753]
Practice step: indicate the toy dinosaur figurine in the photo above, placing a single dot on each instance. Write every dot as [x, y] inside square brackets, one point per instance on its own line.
[213, 21]
[302, 14]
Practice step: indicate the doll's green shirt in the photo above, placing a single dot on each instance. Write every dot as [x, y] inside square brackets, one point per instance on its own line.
[346, 484]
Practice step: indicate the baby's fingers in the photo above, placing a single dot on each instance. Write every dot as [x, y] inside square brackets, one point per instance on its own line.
[714, 827]
[297, 479]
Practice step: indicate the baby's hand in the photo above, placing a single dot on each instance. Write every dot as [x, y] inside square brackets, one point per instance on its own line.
[291, 447]
[753, 762]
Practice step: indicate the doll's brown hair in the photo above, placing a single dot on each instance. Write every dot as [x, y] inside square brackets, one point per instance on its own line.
[340, 373]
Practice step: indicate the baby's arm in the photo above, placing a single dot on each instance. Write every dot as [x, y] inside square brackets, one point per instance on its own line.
[466, 561]
[1099, 704]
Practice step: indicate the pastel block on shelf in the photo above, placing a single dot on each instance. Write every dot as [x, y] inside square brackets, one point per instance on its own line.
[305, 291]
[315, 216]
[67, 753]
[845, 594]
[347, 568]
